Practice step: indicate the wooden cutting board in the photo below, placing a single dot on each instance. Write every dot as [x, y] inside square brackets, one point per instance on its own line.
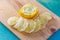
[10, 8]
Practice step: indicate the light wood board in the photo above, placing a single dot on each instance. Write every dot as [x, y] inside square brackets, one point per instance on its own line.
[10, 8]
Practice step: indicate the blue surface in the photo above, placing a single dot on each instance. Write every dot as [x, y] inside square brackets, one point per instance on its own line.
[6, 34]
[55, 36]
[52, 5]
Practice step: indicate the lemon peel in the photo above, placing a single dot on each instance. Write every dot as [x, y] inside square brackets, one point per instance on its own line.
[28, 11]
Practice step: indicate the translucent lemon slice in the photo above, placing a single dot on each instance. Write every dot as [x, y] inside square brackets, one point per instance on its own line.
[42, 20]
[24, 26]
[28, 11]
[19, 23]
[45, 17]
[12, 20]
[38, 25]
[31, 27]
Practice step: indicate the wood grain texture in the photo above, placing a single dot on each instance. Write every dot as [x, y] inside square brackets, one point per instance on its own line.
[10, 8]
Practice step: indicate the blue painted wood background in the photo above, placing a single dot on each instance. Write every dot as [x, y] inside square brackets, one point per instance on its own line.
[52, 5]
[6, 34]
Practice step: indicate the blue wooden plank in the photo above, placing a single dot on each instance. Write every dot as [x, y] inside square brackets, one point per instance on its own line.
[53, 5]
[55, 36]
[6, 34]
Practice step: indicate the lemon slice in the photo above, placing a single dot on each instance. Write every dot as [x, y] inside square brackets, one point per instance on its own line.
[12, 20]
[45, 16]
[19, 23]
[31, 27]
[28, 11]
[38, 25]
[24, 26]
[42, 20]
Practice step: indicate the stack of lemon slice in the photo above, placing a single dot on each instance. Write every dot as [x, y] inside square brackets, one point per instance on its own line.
[28, 11]
[26, 23]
